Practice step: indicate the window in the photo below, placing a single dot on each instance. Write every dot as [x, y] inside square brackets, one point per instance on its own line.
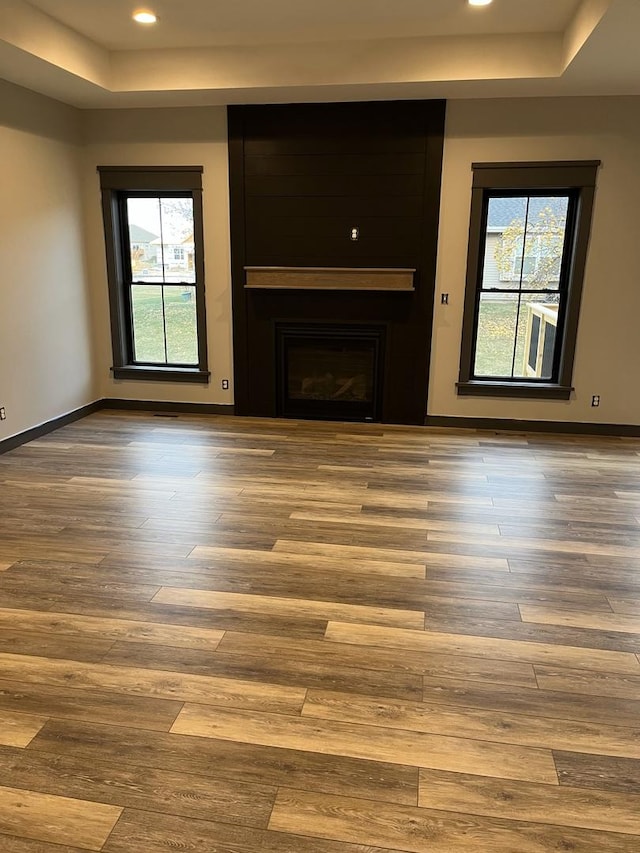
[155, 269]
[527, 252]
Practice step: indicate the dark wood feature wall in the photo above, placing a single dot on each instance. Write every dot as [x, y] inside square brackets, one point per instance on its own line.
[302, 176]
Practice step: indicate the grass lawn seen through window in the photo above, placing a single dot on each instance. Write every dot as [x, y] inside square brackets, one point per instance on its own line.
[150, 323]
[497, 332]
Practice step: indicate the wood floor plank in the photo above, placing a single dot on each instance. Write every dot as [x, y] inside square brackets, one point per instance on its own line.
[59, 820]
[599, 772]
[14, 640]
[348, 591]
[402, 472]
[264, 604]
[524, 700]
[91, 705]
[11, 844]
[514, 650]
[18, 729]
[409, 522]
[572, 574]
[34, 550]
[375, 743]
[267, 668]
[575, 589]
[292, 560]
[152, 683]
[9, 582]
[577, 807]
[468, 584]
[504, 543]
[474, 724]
[430, 831]
[372, 497]
[588, 682]
[355, 552]
[530, 632]
[600, 621]
[345, 588]
[146, 832]
[423, 500]
[262, 532]
[167, 614]
[171, 792]
[438, 597]
[229, 760]
[109, 630]
[385, 659]
[627, 606]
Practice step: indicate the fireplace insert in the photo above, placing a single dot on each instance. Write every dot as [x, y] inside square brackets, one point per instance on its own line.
[329, 372]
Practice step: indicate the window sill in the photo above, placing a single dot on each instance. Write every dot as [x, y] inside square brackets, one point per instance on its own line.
[162, 374]
[531, 390]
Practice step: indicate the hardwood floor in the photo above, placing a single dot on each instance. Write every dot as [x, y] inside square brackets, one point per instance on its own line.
[233, 635]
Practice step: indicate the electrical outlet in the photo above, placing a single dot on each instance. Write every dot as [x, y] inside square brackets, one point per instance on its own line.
[225, 384]
[3, 413]
[595, 400]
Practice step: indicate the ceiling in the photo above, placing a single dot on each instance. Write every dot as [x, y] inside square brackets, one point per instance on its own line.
[204, 23]
[90, 53]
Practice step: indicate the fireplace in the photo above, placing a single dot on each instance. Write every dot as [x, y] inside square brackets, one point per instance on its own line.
[329, 372]
[334, 234]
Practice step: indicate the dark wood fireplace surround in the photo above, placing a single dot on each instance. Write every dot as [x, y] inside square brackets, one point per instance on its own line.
[303, 176]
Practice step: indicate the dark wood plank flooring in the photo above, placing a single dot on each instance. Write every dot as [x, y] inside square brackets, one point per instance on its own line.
[242, 635]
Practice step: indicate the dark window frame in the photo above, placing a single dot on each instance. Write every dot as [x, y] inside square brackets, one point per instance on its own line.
[578, 180]
[117, 184]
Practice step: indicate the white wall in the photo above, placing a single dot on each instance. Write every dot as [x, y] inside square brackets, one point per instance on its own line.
[55, 348]
[165, 137]
[608, 346]
[45, 349]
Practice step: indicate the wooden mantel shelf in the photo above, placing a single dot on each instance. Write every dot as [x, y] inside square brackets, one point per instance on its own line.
[329, 278]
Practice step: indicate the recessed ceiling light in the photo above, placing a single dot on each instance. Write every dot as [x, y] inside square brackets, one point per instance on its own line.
[143, 16]
[480, 2]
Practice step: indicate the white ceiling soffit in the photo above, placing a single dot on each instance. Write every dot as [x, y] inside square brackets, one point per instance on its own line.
[203, 52]
[211, 23]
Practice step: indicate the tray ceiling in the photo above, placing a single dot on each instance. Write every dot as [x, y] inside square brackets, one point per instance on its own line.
[91, 54]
